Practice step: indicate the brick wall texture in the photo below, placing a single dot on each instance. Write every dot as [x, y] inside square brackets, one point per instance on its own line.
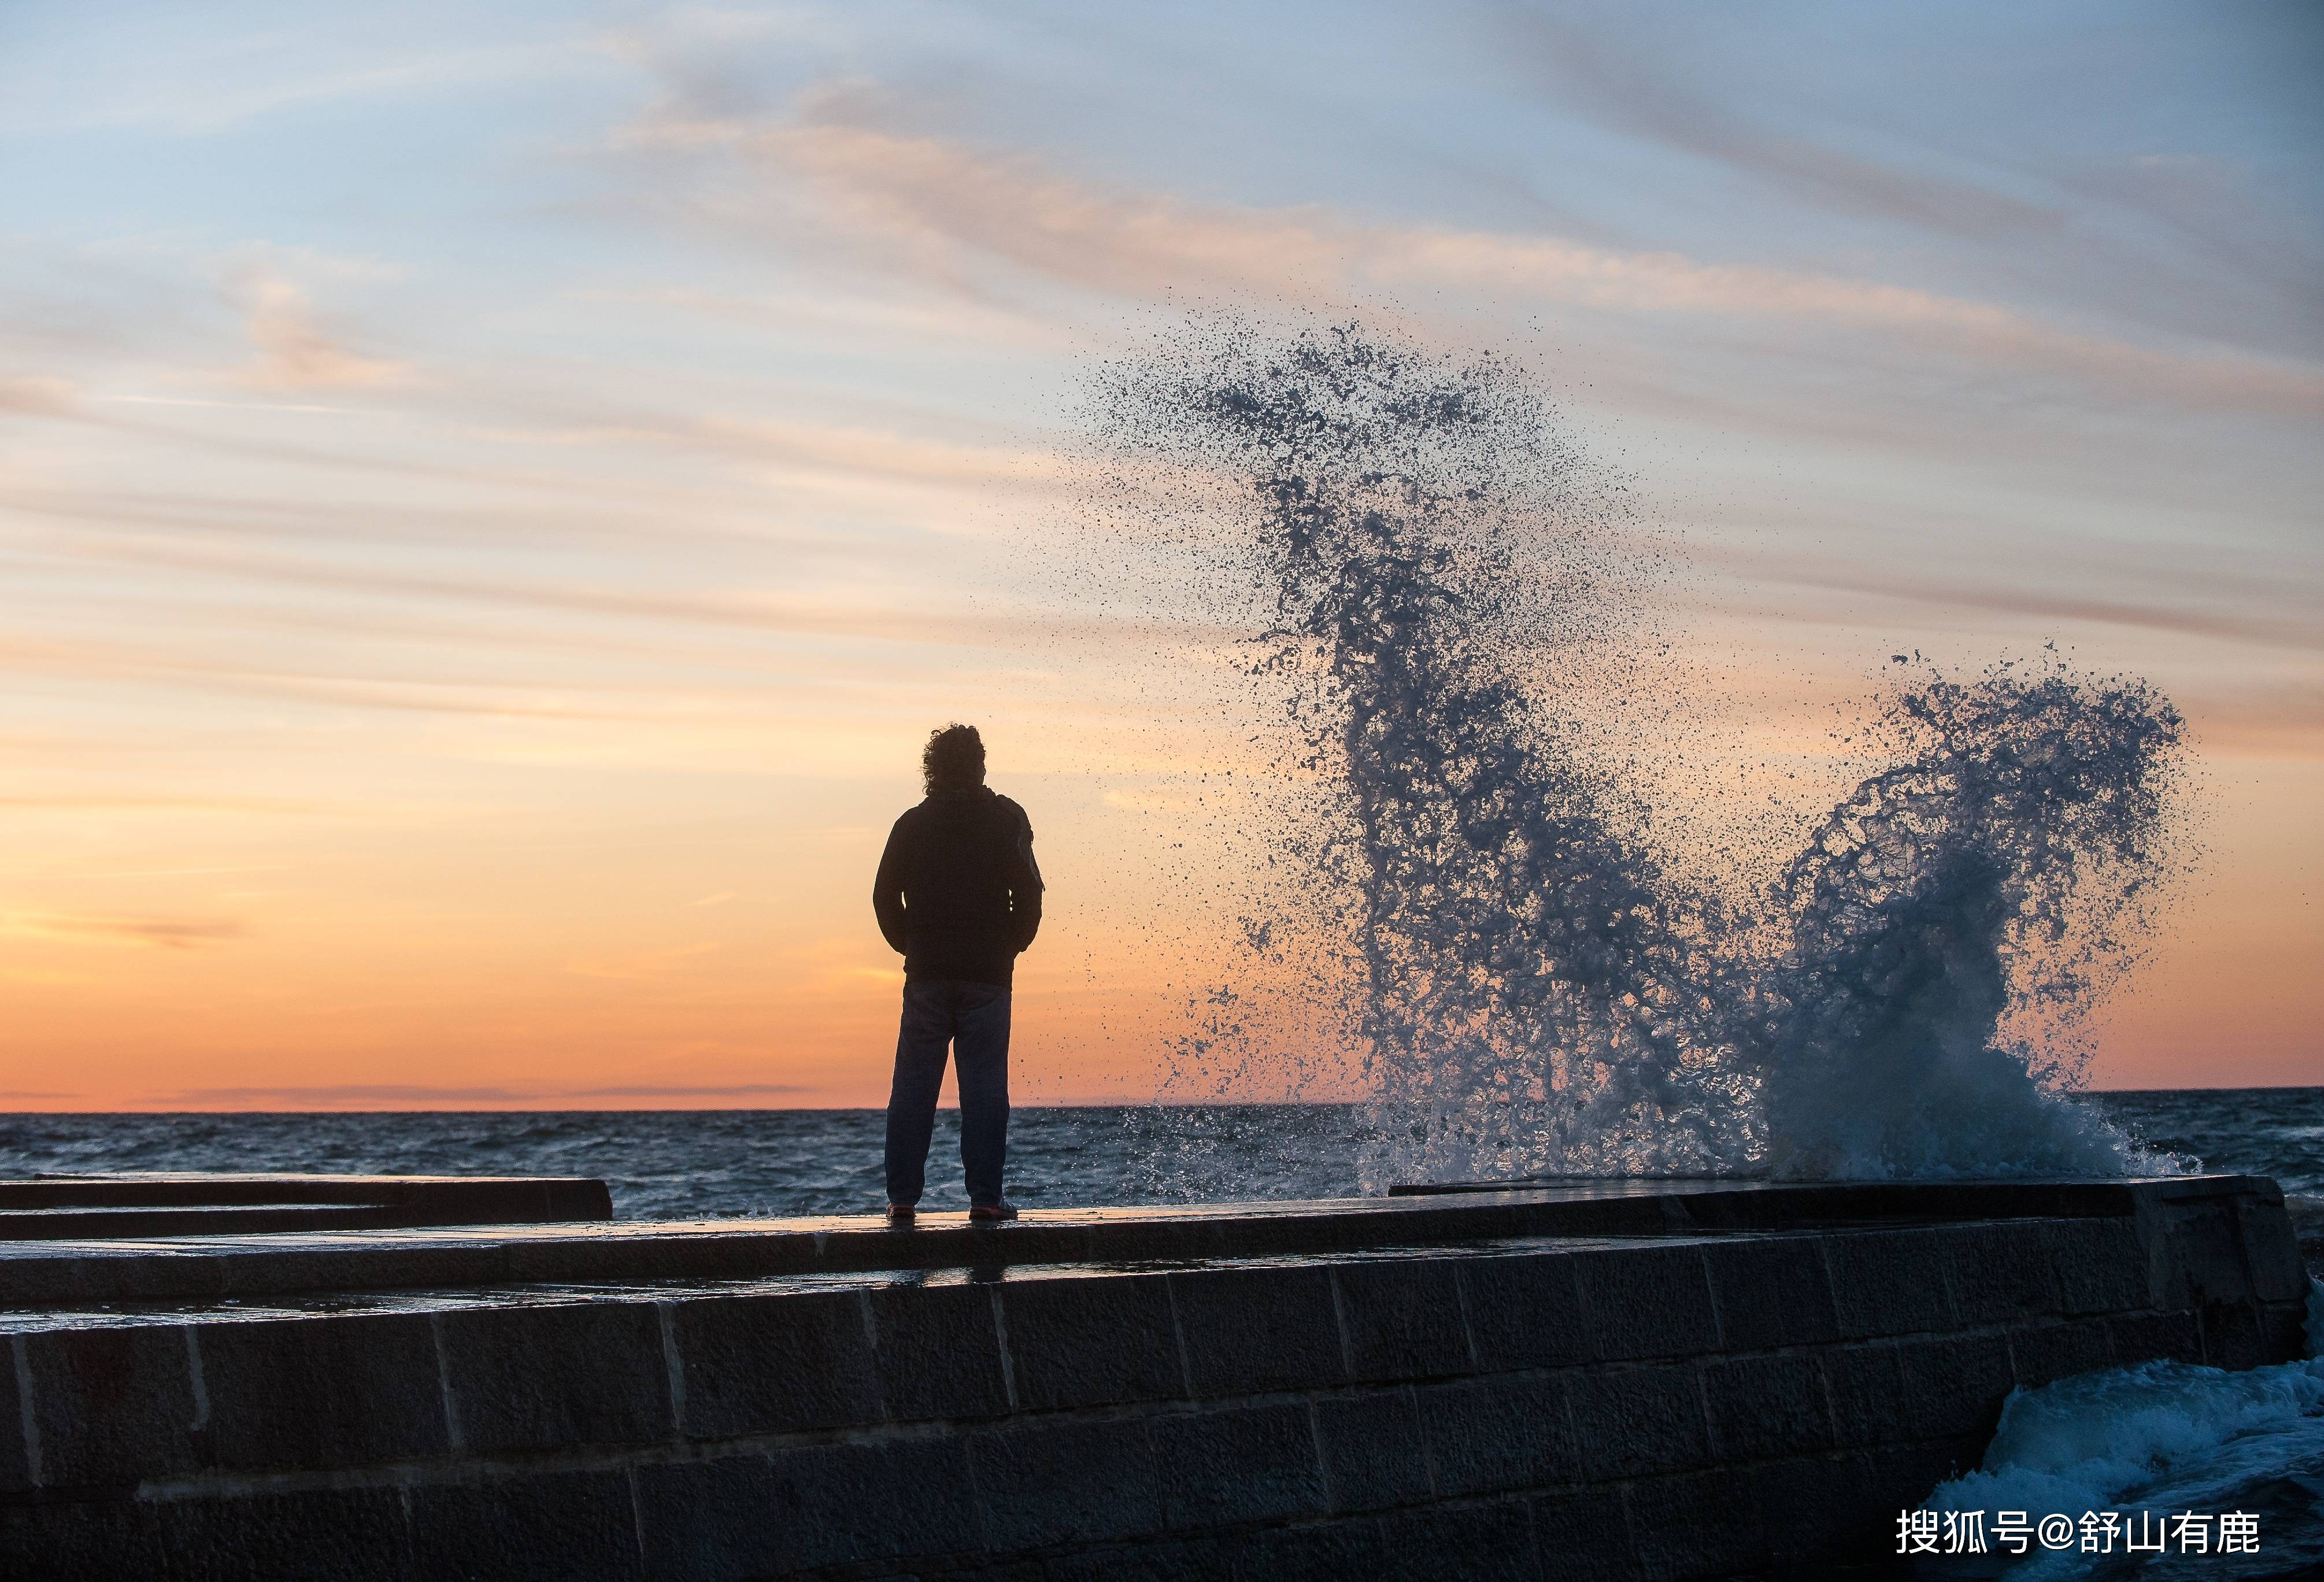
[1688, 1405]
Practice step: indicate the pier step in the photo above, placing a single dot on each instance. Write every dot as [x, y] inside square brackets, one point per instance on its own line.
[131, 1204]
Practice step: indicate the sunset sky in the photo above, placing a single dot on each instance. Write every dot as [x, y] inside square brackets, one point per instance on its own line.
[491, 499]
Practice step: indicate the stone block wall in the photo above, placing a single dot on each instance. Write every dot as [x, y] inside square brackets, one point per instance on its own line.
[1680, 1406]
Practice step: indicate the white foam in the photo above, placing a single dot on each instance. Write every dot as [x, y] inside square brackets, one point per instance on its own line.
[2161, 1436]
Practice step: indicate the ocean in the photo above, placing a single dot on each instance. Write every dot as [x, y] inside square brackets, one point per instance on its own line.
[708, 1164]
[712, 1164]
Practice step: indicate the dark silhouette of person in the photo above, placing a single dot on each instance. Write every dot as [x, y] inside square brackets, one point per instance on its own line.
[959, 897]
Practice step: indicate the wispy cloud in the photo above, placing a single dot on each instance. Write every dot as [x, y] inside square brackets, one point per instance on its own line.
[516, 418]
[2239, 612]
[952, 213]
[245, 406]
[2280, 719]
[771, 613]
[2179, 243]
[42, 396]
[532, 526]
[1960, 595]
[94, 801]
[1631, 83]
[296, 350]
[164, 933]
[372, 1094]
[869, 615]
[214, 76]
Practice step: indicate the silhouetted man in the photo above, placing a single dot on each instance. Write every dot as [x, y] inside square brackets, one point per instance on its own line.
[958, 895]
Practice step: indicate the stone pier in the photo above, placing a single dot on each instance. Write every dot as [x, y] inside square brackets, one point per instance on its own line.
[1634, 1380]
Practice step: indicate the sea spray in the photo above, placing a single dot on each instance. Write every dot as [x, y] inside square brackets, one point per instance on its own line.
[1998, 871]
[1444, 583]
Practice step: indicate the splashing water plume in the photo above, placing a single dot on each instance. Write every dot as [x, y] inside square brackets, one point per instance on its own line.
[1445, 585]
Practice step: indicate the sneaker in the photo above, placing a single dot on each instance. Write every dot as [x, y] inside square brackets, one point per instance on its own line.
[901, 1214]
[991, 1212]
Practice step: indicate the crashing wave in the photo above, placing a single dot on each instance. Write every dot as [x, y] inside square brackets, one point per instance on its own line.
[1533, 993]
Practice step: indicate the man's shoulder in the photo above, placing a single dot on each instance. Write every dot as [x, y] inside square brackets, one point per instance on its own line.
[1008, 809]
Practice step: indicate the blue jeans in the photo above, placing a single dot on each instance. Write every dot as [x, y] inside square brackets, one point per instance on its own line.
[973, 1018]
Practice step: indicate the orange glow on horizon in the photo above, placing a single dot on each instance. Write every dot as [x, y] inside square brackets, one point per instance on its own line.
[227, 956]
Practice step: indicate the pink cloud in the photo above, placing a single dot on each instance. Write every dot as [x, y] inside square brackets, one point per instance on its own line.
[953, 214]
[297, 352]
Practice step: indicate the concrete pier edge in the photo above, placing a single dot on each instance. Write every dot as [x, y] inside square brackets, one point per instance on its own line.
[118, 1205]
[1651, 1381]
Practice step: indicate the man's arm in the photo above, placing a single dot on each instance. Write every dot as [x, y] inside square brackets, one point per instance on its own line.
[1024, 885]
[887, 890]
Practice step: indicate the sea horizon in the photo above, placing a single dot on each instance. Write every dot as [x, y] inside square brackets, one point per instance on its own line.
[1015, 1104]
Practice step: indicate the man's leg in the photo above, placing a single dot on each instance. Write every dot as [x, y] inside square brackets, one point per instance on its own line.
[925, 1028]
[982, 1050]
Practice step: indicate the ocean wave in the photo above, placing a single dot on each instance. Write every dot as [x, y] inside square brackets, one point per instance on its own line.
[2159, 1439]
[1439, 576]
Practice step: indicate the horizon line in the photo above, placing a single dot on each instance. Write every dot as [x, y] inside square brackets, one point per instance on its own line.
[1087, 1102]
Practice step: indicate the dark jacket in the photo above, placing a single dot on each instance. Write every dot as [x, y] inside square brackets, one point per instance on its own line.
[958, 893]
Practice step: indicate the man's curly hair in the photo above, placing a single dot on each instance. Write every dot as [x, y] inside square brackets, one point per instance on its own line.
[953, 759]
